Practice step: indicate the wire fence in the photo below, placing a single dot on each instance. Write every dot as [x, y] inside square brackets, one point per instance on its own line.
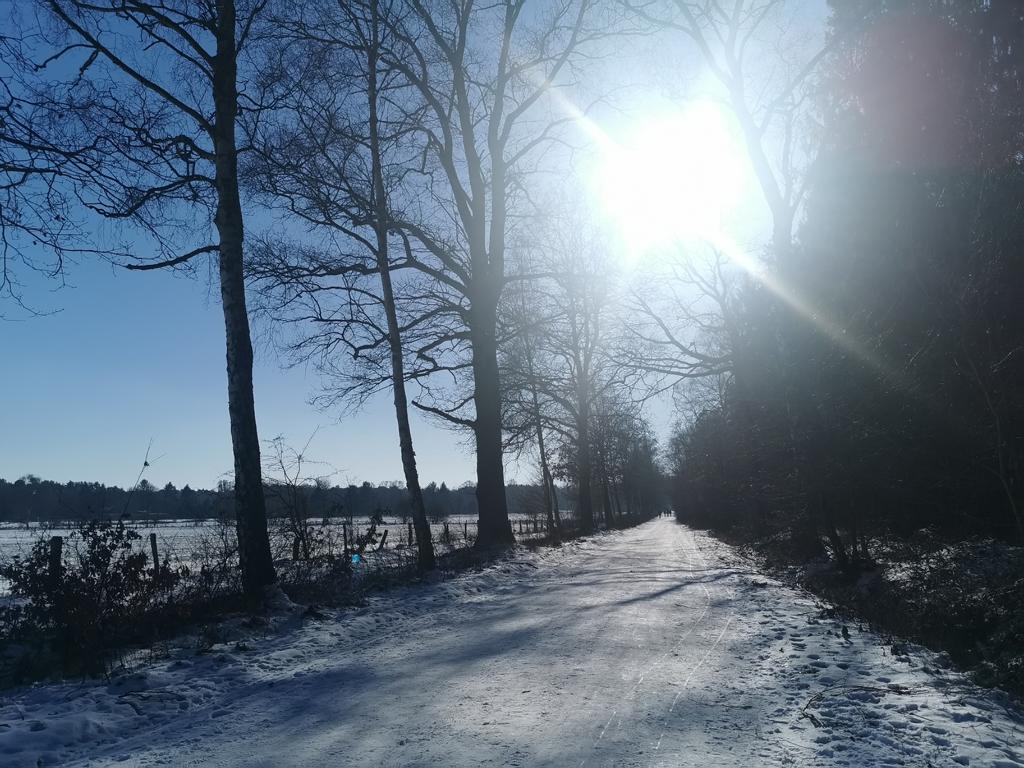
[386, 543]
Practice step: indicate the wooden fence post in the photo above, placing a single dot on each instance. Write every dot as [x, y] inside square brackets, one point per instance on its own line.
[55, 565]
[383, 540]
[465, 530]
[156, 557]
[344, 536]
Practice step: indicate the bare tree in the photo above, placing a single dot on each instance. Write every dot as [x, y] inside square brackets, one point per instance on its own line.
[479, 112]
[576, 344]
[692, 332]
[325, 160]
[291, 484]
[148, 99]
[571, 331]
[770, 102]
[766, 60]
[525, 407]
[681, 321]
[40, 228]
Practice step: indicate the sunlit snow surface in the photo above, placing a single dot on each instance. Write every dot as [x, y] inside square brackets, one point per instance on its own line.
[655, 646]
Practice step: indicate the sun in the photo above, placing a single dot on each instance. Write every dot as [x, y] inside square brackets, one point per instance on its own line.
[671, 178]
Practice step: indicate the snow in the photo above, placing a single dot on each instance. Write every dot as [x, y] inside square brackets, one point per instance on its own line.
[655, 646]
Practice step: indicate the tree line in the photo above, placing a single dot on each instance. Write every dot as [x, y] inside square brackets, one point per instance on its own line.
[875, 383]
[31, 499]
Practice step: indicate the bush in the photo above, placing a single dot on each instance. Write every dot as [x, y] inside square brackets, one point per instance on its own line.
[96, 600]
[965, 598]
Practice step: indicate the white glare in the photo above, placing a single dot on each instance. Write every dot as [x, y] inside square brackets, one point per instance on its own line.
[673, 177]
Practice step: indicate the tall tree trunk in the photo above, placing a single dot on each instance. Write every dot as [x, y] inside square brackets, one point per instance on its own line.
[550, 500]
[554, 502]
[424, 542]
[250, 506]
[584, 471]
[493, 526]
[549, 490]
[609, 515]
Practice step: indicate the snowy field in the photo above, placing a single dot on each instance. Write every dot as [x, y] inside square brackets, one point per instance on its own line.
[655, 646]
[181, 539]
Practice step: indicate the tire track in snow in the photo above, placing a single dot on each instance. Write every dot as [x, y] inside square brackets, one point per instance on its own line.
[660, 660]
[707, 654]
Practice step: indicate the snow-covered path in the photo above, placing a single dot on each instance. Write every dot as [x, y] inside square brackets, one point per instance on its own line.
[654, 646]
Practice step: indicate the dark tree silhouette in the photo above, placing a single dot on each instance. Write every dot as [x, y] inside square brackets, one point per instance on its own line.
[146, 136]
[325, 157]
[478, 114]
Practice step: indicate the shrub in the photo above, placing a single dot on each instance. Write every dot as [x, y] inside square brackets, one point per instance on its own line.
[94, 601]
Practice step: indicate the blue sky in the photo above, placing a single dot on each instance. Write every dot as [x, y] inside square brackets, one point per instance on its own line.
[137, 356]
